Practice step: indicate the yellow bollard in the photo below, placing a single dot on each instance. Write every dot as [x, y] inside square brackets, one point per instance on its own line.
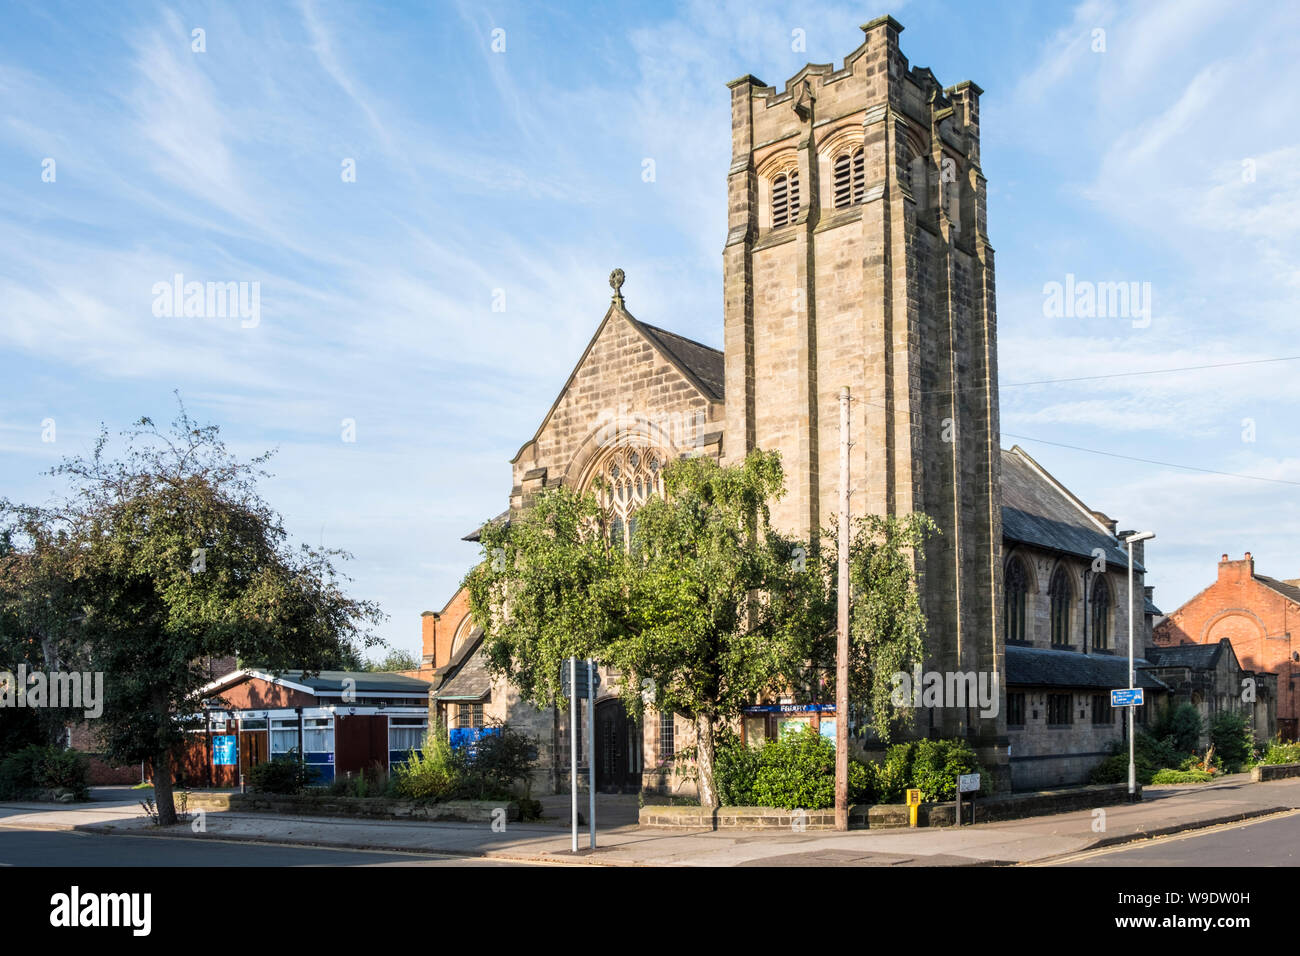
[913, 806]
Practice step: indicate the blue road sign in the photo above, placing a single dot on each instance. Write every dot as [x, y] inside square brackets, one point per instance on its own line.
[1126, 697]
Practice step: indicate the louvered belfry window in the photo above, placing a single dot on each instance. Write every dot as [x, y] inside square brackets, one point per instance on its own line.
[859, 176]
[850, 178]
[785, 199]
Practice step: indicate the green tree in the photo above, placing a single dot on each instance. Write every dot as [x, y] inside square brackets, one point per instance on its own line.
[169, 556]
[886, 624]
[709, 609]
[723, 609]
[34, 629]
[395, 660]
[1182, 725]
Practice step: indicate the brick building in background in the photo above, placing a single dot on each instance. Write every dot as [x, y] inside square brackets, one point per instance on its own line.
[1255, 613]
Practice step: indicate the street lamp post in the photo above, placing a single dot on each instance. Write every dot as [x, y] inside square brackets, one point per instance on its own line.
[1129, 540]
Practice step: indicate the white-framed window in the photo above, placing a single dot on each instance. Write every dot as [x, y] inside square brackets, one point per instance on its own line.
[318, 735]
[407, 733]
[667, 736]
[284, 735]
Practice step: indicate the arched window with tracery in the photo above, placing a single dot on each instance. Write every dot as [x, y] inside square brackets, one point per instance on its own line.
[1099, 604]
[630, 475]
[1060, 594]
[1015, 587]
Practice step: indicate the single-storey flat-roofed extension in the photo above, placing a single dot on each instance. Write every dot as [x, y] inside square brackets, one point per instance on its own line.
[342, 722]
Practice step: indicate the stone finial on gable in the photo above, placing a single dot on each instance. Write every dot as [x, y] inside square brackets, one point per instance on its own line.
[616, 283]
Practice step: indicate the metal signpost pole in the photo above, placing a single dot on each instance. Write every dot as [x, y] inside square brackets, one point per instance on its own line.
[842, 637]
[591, 749]
[1132, 771]
[573, 744]
[1130, 539]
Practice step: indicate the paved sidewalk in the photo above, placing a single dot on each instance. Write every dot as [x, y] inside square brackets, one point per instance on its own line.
[1165, 809]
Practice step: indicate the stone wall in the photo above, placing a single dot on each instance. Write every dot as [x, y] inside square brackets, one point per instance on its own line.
[892, 296]
[623, 390]
[1047, 755]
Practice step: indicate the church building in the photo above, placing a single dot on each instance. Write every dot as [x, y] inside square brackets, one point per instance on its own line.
[857, 254]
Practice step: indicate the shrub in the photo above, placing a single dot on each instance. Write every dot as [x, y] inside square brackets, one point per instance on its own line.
[1181, 776]
[66, 770]
[1159, 753]
[1279, 752]
[373, 781]
[735, 765]
[936, 765]
[891, 778]
[34, 769]
[1181, 726]
[284, 774]
[433, 772]
[20, 773]
[1114, 769]
[499, 761]
[1233, 740]
[796, 771]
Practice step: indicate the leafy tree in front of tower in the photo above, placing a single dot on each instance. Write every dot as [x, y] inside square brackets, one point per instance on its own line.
[722, 605]
[886, 623]
[709, 610]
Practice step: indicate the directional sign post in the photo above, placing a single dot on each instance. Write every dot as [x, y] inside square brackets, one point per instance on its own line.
[1126, 697]
[593, 680]
[967, 783]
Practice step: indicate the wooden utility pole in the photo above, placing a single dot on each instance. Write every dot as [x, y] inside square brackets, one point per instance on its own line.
[842, 635]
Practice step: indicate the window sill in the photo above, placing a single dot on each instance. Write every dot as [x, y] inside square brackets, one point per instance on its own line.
[776, 236]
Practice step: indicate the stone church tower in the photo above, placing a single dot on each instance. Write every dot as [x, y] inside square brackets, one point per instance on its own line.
[857, 254]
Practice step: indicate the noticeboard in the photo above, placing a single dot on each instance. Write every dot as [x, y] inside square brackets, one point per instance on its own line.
[225, 752]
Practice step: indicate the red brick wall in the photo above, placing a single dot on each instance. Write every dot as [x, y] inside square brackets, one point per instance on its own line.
[1255, 618]
[439, 636]
[257, 694]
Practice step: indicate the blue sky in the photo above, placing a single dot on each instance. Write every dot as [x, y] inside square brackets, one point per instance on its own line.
[1169, 158]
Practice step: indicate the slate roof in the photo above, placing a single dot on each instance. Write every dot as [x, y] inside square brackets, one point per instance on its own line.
[1284, 588]
[705, 363]
[467, 677]
[1186, 655]
[1036, 512]
[1039, 667]
[366, 682]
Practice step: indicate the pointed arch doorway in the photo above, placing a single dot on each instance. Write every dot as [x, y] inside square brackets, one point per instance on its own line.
[618, 749]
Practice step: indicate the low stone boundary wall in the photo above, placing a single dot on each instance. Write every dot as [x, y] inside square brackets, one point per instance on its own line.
[467, 811]
[1273, 771]
[887, 815]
